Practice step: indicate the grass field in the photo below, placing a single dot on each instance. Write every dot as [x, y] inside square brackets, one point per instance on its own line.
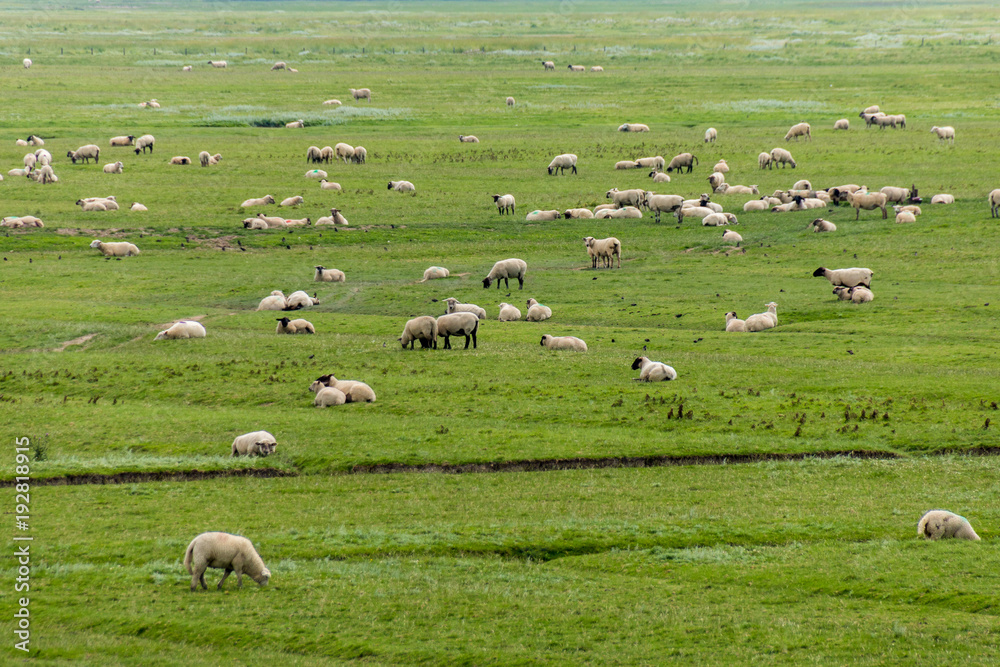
[795, 561]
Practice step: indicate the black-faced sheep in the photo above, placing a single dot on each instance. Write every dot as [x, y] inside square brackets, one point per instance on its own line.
[458, 324]
[144, 142]
[504, 270]
[846, 277]
[653, 371]
[680, 161]
[537, 312]
[504, 203]
[423, 329]
[300, 326]
[561, 163]
[563, 343]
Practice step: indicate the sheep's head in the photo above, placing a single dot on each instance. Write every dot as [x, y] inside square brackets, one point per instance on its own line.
[161, 336]
[389, 186]
[96, 244]
[819, 272]
[637, 363]
[495, 198]
[284, 321]
[487, 281]
[316, 386]
[542, 343]
[263, 577]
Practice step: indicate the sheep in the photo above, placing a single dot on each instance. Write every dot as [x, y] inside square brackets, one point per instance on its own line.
[330, 185]
[727, 189]
[272, 222]
[93, 206]
[659, 176]
[905, 216]
[35, 140]
[278, 65]
[509, 313]
[821, 225]
[729, 236]
[762, 321]
[633, 127]
[181, 330]
[260, 201]
[842, 293]
[254, 223]
[114, 168]
[504, 270]
[840, 193]
[537, 312]
[678, 162]
[335, 218]
[802, 184]
[287, 326]
[943, 199]
[504, 203]
[846, 277]
[764, 160]
[435, 273]
[626, 212]
[719, 220]
[86, 153]
[360, 155]
[121, 249]
[711, 134]
[716, 180]
[605, 250]
[993, 199]
[19, 172]
[401, 186]
[900, 195]
[860, 294]
[626, 164]
[603, 207]
[187, 68]
[937, 524]
[26, 62]
[468, 139]
[453, 305]
[44, 175]
[757, 205]
[653, 371]
[946, 133]
[423, 329]
[124, 140]
[144, 142]
[314, 154]
[867, 201]
[563, 343]
[733, 324]
[910, 208]
[799, 130]
[842, 124]
[136, 206]
[343, 152]
[458, 324]
[548, 64]
[623, 198]
[299, 299]
[782, 157]
[231, 553]
[30, 221]
[510, 101]
[295, 124]
[324, 275]
[361, 94]
[561, 163]
[700, 212]
[883, 121]
[578, 213]
[721, 167]
[328, 396]
[180, 159]
[275, 301]
[543, 216]
[292, 201]
[20, 142]
[204, 157]
[872, 109]
[316, 173]
[656, 162]
[11, 223]
[354, 390]
[900, 120]
[596, 68]
[332, 102]
[214, 159]
[220, 64]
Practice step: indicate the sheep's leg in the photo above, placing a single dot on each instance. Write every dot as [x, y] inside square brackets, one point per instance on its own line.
[883, 213]
[223, 580]
[466, 342]
[447, 342]
[520, 282]
[574, 168]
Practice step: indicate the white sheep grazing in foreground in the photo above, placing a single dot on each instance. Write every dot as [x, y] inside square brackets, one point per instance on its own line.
[993, 199]
[842, 124]
[458, 324]
[330, 185]
[136, 206]
[905, 216]
[120, 249]
[300, 326]
[762, 321]
[260, 201]
[782, 157]
[729, 236]
[561, 163]
[537, 312]
[231, 553]
[938, 524]
[299, 299]
[328, 396]
[324, 275]
[604, 250]
[721, 167]
[114, 168]
[423, 329]
[946, 133]
[711, 134]
[401, 186]
[633, 127]
[509, 313]
[510, 101]
[867, 201]
[846, 277]
[659, 176]
[543, 216]
[578, 214]
[274, 301]
[468, 139]
[504, 203]
[123, 140]
[355, 390]
[292, 201]
[435, 273]
[799, 130]
[144, 142]
[733, 324]
[221, 64]
[180, 159]
[506, 269]
[563, 343]
[26, 62]
[764, 160]
[821, 225]
[943, 199]
[181, 330]
[361, 94]
[86, 153]
[453, 305]
[653, 371]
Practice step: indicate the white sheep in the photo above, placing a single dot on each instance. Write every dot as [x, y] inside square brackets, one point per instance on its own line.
[292, 201]
[633, 127]
[729, 236]
[214, 159]
[35, 140]
[231, 553]
[937, 524]
[44, 175]
[182, 329]
[946, 133]
[257, 443]
[295, 124]
[274, 301]
[360, 155]
[659, 176]
[136, 206]
[330, 185]
[288, 326]
[846, 277]
[401, 186]
[506, 269]
[578, 214]
[548, 64]
[821, 225]
[187, 68]
[799, 130]
[872, 109]
[221, 64]
[626, 164]
[563, 343]
[537, 312]
[764, 161]
[680, 161]
[757, 205]
[510, 101]
[144, 142]
[361, 94]
[299, 299]
[711, 134]
[910, 208]
[453, 305]
[867, 201]
[861, 294]
[458, 324]
[653, 371]
[561, 163]
[727, 189]
[423, 329]
[468, 139]
[904, 217]
[259, 201]
[315, 173]
[180, 159]
[329, 396]
[782, 157]
[335, 218]
[20, 142]
[719, 220]
[279, 65]
[324, 275]
[509, 313]
[272, 222]
[343, 152]
[762, 321]
[943, 199]
[435, 273]
[86, 153]
[123, 140]
[26, 62]
[504, 203]
[842, 124]
[19, 172]
[654, 162]
[993, 199]
[332, 102]
[121, 249]
[603, 250]
[114, 168]
[721, 167]
[623, 198]
[733, 324]
[596, 68]
[354, 390]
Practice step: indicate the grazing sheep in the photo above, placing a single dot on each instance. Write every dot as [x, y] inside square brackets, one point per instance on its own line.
[278, 65]
[114, 168]
[343, 152]
[623, 198]
[34, 140]
[275, 301]
[509, 313]
[604, 250]
[576, 68]
[144, 142]
[120, 249]
[299, 299]
[626, 164]
[468, 139]
[295, 124]
[762, 321]
[799, 130]
[510, 101]
[842, 124]
[435, 273]
[314, 154]
[659, 176]
[360, 155]
[287, 326]
[504, 203]
[328, 396]
[946, 133]
[938, 524]
[182, 329]
[548, 64]
[85, 153]
[729, 236]
[711, 134]
[563, 343]
[136, 206]
[361, 94]
[596, 68]
[633, 127]
[578, 213]
[458, 324]
[423, 329]
[868, 201]
[330, 185]
[994, 200]
[332, 102]
[562, 162]
[905, 216]
[180, 159]
[355, 390]
[26, 62]
[335, 218]
[782, 157]
[543, 216]
[653, 371]
[764, 161]
[943, 199]
[401, 186]
[221, 64]
[231, 553]
[883, 121]
[504, 270]
[292, 201]
[656, 162]
[821, 225]
[124, 140]
[260, 201]
[721, 167]
[537, 312]
[733, 324]
[846, 277]
[453, 305]
[324, 275]
[680, 161]
[44, 175]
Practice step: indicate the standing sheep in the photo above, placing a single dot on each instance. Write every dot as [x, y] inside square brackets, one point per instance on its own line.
[576, 68]
[27, 63]
[86, 153]
[344, 152]
[510, 101]
[360, 155]
[458, 324]
[937, 524]
[782, 157]
[144, 142]
[605, 250]
[231, 553]
[361, 94]
[994, 200]
[504, 203]
[324, 275]
[562, 162]
[563, 343]
[868, 201]
[764, 161]
[504, 270]
[278, 65]
[548, 64]
[653, 371]
[711, 134]
[680, 161]
[946, 133]
[423, 329]
[846, 277]
[799, 130]
[842, 124]
[220, 64]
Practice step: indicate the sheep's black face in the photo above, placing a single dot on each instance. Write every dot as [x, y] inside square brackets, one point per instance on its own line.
[542, 342]
[636, 364]
[550, 171]
[486, 283]
[819, 272]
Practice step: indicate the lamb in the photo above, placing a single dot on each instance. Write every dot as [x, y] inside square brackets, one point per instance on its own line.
[121, 249]
[757, 205]
[180, 159]
[124, 140]
[254, 223]
[86, 153]
[576, 68]
[846, 277]
[782, 157]
[562, 162]
[204, 157]
[26, 62]
[275, 301]
[900, 195]
[343, 152]
[842, 124]
[287, 326]
[653, 371]
[187, 68]
[299, 299]
[509, 313]
[762, 321]
[680, 161]
[136, 206]
[458, 324]
[543, 216]
[295, 124]
[144, 142]
[510, 101]
[423, 329]
[435, 273]
[821, 225]
[842, 293]
[656, 162]
[764, 161]
[354, 390]
[360, 155]
[605, 250]
[330, 185]
[537, 312]
[361, 94]
[456, 306]
[633, 127]
[938, 524]
[711, 134]
[221, 64]
[659, 176]
[548, 64]
[729, 236]
[578, 213]
[623, 198]
[115, 168]
[860, 294]
[504, 270]
[335, 218]
[905, 216]
[946, 133]
[867, 201]
[231, 553]
[504, 203]
[468, 139]
[182, 329]
[260, 201]
[328, 396]
[563, 343]
[944, 199]
[401, 186]
[994, 200]
[278, 65]
[733, 324]
[799, 130]
[721, 167]
[19, 172]
[292, 201]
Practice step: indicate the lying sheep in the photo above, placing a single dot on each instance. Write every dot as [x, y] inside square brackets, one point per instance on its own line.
[764, 161]
[328, 396]
[659, 176]
[537, 312]
[468, 139]
[300, 326]
[711, 134]
[900, 195]
[231, 553]
[401, 186]
[700, 212]
[272, 222]
[719, 220]
[144, 142]
[258, 443]
[993, 199]
[254, 223]
[782, 157]
[292, 201]
[856, 294]
[733, 324]
[729, 236]
[316, 173]
[762, 321]
[563, 343]
[509, 313]
[330, 185]
[938, 524]
[180, 159]
[626, 164]
[361, 94]
[604, 250]
[324, 275]
[423, 329]
[333, 102]
[458, 324]
[187, 68]
[821, 225]
[943, 199]
[868, 201]
[19, 172]
[596, 68]
[261, 201]
[802, 184]
[655, 162]
[578, 214]
[92, 206]
[295, 124]
[85, 153]
[842, 124]
[120, 249]
[354, 390]
[543, 216]
[846, 277]
[124, 140]
[453, 305]
[653, 371]
[680, 161]
[299, 299]
[136, 206]
[757, 205]
[504, 270]
[335, 218]
[727, 189]
[435, 273]
[20, 142]
[181, 330]
[626, 212]
[633, 127]
[561, 163]
[799, 130]
[115, 168]
[946, 133]
[904, 217]
[275, 301]
[721, 167]
[504, 203]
